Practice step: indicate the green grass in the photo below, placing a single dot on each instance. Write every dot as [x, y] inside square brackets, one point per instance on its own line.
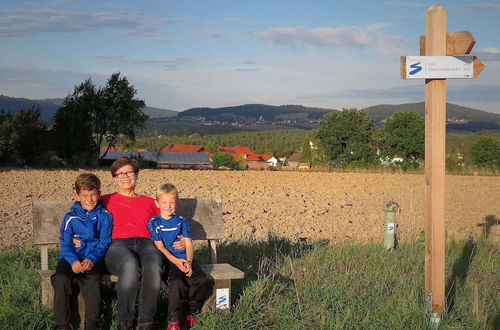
[304, 286]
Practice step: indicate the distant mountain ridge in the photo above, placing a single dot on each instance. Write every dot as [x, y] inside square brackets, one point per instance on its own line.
[48, 107]
[255, 111]
[379, 113]
[459, 117]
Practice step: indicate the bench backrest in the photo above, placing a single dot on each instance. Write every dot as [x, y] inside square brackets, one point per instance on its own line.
[204, 216]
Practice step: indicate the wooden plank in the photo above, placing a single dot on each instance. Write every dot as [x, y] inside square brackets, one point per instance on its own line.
[435, 131]
[403, 67]
[478, 67]
[222, 271]
[204, 216]
[44, 257]
[457, 43]
[212, 249]
[47, 217]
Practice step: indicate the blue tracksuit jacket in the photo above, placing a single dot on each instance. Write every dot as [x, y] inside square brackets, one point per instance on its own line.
[94, 230]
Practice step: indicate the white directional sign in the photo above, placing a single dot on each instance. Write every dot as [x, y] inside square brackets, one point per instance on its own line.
[438, 67]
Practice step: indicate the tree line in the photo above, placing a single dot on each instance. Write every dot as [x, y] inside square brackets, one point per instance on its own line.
[349, 139]
[93, 117]
[89, 118]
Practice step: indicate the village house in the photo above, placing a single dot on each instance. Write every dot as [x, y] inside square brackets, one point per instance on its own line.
[253, 160]
[293, 160]
[185, 160]
[172, 147]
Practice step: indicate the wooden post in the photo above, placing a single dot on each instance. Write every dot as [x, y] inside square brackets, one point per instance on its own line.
[435, 134]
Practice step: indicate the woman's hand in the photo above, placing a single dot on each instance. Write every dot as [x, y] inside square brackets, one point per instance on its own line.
[181, 244]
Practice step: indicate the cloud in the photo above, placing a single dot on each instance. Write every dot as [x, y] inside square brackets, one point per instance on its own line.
[349, 37]
[213, 34]
[484, 6]
[407, 4]
[167, 62]
[247, 69]
[489, 54]
[19, 22]
[27, 80]
[416, 93]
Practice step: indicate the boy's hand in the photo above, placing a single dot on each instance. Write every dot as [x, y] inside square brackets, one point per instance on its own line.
[179, 245]
[188, 265]
[180, 263]
[77, 267]
[87, 264]
[76, 242]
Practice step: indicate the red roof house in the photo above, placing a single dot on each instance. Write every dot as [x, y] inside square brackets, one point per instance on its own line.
[238, 152]
[184, 148]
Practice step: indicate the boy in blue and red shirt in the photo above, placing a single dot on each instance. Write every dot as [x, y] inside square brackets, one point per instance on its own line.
[187, 282]
[91, 224]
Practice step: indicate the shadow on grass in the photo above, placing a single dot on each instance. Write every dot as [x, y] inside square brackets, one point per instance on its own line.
[254, 258]
[459, 272]
[249, 257]
[489, 221]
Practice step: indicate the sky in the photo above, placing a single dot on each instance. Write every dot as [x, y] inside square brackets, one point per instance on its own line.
[216, 53]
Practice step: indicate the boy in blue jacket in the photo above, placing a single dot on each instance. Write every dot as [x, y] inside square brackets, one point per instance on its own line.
[188, 286]
[88, 220]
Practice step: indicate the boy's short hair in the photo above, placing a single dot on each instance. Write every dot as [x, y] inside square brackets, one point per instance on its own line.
[122, 161]
[87, 181]
[167, 188]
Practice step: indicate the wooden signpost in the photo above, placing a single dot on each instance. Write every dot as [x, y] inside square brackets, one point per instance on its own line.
[438, 43]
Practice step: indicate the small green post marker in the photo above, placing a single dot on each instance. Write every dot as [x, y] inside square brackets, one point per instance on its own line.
[390, 210]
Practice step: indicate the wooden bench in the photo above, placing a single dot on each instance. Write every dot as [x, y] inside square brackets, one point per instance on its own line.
[204, 217]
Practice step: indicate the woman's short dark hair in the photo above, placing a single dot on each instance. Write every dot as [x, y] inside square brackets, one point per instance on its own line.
[122, 161]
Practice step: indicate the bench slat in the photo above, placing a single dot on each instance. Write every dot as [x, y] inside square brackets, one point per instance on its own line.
[222, 271]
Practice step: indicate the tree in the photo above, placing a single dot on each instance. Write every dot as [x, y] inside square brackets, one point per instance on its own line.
[6, 137]
[103, 114]
[30, 136]
[403, 136]
[311, 152]
[72, 130]
[221, 158]
[347, 137]
[486, 152]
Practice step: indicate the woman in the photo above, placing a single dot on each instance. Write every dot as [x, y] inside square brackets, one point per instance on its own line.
[132, 255]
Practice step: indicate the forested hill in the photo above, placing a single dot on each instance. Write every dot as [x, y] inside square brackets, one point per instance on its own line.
[48, 107]
[13, 104]
[255, 111]
[379, 113]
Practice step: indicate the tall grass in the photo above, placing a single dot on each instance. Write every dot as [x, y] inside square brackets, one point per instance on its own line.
[304, 286]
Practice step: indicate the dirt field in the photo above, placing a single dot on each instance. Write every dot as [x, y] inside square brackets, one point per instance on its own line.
[333, 206]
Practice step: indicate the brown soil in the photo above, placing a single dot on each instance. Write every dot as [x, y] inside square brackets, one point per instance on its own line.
[311, 205]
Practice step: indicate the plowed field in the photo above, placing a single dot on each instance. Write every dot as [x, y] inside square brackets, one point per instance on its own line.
[297, 205]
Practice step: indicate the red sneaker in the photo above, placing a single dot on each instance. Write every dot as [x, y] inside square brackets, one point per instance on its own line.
[173, 325]
[189, 321]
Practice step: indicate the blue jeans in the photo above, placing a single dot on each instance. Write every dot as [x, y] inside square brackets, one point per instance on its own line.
[138, 265]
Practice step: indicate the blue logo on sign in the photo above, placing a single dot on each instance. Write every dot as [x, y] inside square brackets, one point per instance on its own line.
[222, 300]
[416, 68]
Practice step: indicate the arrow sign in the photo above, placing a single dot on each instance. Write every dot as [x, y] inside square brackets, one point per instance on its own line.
[440, 67]
[457, 43]
[478, 66]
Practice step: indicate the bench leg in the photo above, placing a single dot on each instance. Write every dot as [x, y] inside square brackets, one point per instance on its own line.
[47, 293]
[220, 298]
